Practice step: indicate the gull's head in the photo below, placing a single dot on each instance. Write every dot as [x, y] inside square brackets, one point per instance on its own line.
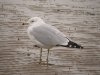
[34, 20]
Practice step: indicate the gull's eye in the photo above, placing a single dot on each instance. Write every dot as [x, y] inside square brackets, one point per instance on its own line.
[32, 21]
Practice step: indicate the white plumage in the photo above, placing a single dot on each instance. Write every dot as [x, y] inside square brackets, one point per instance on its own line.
[45, 35]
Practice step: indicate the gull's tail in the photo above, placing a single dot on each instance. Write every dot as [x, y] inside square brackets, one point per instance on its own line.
[72, 45]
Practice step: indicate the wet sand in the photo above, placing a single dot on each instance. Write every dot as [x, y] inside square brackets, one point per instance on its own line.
[77, 19]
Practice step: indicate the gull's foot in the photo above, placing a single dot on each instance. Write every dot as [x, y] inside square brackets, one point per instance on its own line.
[47, 64]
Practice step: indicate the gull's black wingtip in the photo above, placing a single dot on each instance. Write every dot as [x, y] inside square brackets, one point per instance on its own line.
[81, 47]
[72, 45]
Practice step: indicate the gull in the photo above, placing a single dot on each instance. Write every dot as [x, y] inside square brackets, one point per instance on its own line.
[47, 36]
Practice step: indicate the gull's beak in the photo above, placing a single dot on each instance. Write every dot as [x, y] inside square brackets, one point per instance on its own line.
[25, 23]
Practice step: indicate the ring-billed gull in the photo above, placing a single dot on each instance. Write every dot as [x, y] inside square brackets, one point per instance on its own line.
[47, 36]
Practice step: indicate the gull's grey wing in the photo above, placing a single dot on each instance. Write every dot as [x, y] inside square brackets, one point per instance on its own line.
[56, 30]
[49, 35]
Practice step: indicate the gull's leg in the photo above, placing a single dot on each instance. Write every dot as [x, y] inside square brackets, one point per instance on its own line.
[47, 56]
[40, 56]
